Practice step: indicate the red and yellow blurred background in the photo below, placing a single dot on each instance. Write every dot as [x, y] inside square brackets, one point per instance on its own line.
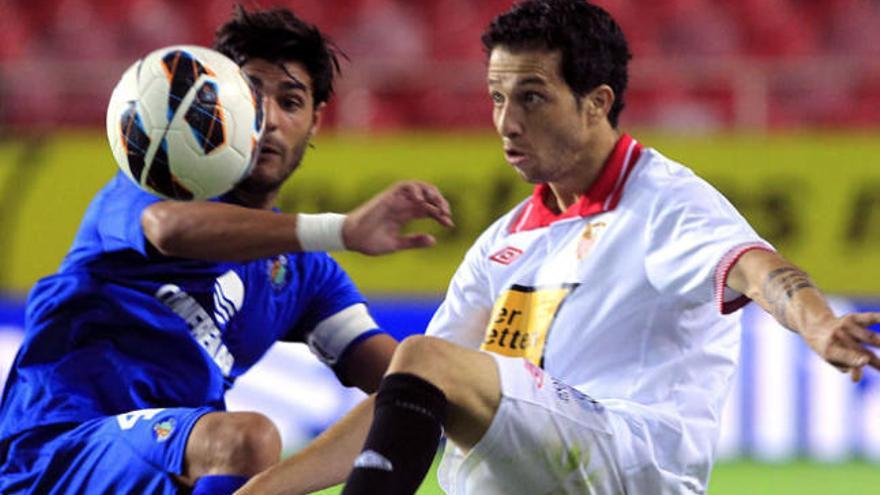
[776, 102]
[699, 64]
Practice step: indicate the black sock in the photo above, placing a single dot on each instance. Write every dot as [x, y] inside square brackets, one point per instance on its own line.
[403, 438]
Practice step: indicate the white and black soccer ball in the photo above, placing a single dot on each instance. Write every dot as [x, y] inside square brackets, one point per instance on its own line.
[185, 123]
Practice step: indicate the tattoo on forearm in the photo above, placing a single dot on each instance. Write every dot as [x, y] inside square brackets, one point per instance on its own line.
[780, 286]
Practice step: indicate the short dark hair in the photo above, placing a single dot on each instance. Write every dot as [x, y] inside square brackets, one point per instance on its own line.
[278, 35]
[594, 49]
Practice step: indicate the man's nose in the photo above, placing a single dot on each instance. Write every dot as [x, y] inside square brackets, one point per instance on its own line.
[507, 122]
[270, 113]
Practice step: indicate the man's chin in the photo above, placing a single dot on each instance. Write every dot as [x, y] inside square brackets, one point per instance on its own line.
[531, 178]
[264, 179]
[267, 161]
[258, 185]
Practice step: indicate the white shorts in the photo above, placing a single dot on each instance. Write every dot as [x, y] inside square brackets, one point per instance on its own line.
[546, 438]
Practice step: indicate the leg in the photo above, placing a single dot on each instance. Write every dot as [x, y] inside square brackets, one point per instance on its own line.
[468, 378]
[224, 449]
[515, 429]
[140, 451]
[429, 382]
[546, 437]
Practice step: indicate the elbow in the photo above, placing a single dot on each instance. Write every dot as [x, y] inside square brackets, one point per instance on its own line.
[162, 228]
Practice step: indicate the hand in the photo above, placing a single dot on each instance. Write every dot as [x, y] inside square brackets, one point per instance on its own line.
[842, 342]
[375, 227]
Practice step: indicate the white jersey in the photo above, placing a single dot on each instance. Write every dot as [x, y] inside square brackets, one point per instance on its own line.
[623, 297]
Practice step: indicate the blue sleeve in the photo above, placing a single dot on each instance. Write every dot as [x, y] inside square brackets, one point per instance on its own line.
[326, 291]
[119, 216]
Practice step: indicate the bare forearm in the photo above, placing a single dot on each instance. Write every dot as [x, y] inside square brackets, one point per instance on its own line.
[789, 295]
[782, 289]
[218, 231]
[326, 462]
[223, 232]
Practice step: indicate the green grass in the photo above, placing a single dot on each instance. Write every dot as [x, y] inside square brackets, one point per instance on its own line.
[797, 478]
[753, 478]
[429, 487]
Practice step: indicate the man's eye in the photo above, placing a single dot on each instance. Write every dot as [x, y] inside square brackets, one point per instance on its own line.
[532, 97]
[291, 103]
[497, 98]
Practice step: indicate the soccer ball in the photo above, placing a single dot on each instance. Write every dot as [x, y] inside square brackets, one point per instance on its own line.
[185, 123]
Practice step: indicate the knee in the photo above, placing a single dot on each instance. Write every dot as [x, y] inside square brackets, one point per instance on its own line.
[417, 352]
[426, 357]
[240, 443]
[252, 442]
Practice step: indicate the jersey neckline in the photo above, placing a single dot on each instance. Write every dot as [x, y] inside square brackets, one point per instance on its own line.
[602, 196]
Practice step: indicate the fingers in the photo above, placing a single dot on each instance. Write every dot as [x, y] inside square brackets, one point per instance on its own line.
[856, 374]
[873, 361]
[438, 215]
[849, 356]
[414, 241]
[857, 326]
[433, 195]
[846, 349]
[862, 334]
[865, 319]
[428, 201]
[846, 357]
[845, 343]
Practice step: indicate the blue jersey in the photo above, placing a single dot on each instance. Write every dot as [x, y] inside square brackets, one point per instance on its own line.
[121, 327]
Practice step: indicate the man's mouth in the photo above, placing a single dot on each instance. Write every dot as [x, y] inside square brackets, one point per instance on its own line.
[269, 149]
[514, 156]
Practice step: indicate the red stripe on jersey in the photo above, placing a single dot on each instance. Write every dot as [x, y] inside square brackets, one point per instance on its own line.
[632, 156]
[722, 271]
[603, 195]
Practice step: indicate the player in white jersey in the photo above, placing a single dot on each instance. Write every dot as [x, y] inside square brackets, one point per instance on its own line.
[584, 345]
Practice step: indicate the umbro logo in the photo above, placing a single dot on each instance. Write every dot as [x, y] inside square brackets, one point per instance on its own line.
[370, 459]
[507, 255]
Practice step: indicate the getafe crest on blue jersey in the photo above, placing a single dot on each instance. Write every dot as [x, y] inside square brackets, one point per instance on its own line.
[276, 270]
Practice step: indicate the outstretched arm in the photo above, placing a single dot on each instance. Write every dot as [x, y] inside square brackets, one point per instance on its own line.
[326, 462]
[224, 232]
[788, 294]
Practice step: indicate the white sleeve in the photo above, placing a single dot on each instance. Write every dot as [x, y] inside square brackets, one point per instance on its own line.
[337, 333]
[695, 236]
[464, 314]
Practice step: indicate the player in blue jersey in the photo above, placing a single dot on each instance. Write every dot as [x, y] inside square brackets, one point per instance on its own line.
[159, 306]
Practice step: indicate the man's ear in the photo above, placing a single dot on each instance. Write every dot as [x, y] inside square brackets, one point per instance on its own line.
[597, 103]
[317, 116]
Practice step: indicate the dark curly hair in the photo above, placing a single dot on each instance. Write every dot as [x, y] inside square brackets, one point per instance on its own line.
[278, 35]
[594, 49]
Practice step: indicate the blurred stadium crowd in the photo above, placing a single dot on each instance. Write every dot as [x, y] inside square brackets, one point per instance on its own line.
[700, 64]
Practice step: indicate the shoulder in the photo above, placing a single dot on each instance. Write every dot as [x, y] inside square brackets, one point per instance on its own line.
[122, 186]
[308, 262]
[119, 195]
[658, 173]
[663, 183]
[301, 274]
[500, 229]
[318, 268]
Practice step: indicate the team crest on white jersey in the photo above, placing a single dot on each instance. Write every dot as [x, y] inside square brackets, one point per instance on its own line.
[588, 238]
[228, 297]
